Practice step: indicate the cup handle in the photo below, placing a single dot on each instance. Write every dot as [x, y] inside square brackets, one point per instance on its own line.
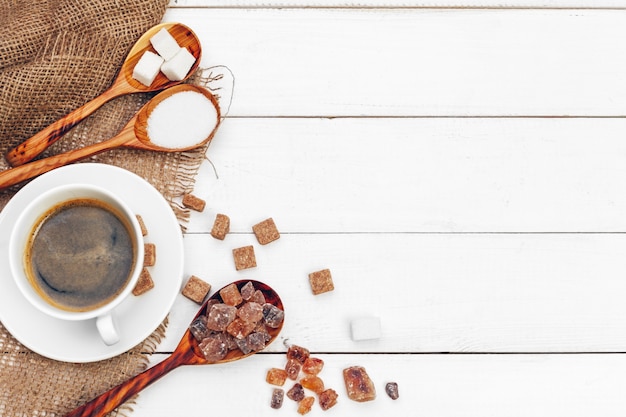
[106, 328]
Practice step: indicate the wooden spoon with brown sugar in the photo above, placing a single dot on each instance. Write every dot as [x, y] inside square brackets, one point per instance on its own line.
[123, 84]
[188, 352]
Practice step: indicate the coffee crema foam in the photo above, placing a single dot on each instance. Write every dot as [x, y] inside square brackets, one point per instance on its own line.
[80, 255]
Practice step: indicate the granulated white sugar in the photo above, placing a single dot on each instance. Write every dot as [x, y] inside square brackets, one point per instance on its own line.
[182, 120]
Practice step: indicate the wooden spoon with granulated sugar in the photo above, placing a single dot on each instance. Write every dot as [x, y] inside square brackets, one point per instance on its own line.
[123, 84]
[172, 121]
[187, 352]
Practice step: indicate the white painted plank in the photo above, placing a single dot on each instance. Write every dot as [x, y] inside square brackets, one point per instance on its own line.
[412, 3]
[430, 385]
[432, 293]
[417, 175]
[346, 62]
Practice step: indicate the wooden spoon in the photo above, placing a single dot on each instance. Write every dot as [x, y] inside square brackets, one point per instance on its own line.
[123, 84]
[187, 353]
[134, 135]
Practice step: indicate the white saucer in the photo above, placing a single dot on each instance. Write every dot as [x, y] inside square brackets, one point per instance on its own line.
[137, 317]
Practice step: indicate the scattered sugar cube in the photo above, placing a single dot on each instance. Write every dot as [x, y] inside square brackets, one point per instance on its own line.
[149, 257]
[277, 398]
[165, 44]
[299, 353]
[266, 231]
[244, 258]
[144, 283]
[221, 226]
[366, 328]
[292, 367]
[142, 225]
[321, 281]
[305, 405]
[177, 67]
[276, 376]
[194, 203]
[313, 383]
[147, 68]
[196, 289]
[328, 399]
[296, 393]
[358, 384]
[312, 366]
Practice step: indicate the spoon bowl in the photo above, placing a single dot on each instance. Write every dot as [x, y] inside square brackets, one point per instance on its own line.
[134, 135]
[185, 37]
[123, 84]
[187, 352]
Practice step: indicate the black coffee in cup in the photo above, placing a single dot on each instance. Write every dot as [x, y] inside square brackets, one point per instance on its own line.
[80, 255]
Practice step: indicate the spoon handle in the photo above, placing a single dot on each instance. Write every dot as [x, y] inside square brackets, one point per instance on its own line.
[116, 396]
[21, 173]
[35, 145]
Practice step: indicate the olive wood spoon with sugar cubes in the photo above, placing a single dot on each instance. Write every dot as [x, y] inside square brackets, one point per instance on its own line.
[122, 85]
[134, 135]
[187, 352]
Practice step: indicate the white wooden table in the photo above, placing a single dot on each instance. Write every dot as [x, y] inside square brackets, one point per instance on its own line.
[459, 166]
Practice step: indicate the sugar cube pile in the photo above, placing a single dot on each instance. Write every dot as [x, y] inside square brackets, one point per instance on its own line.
[171, 59]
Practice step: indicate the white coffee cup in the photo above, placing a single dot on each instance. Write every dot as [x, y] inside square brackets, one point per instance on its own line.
[20, 242]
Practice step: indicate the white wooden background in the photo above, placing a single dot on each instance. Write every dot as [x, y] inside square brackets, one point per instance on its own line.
[460, 166]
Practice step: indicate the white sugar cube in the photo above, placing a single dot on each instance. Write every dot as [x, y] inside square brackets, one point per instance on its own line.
[165, 44]
[147, 68]
[365, 328]
[177, 68]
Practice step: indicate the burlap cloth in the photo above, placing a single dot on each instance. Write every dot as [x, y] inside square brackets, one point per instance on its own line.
[55, 55]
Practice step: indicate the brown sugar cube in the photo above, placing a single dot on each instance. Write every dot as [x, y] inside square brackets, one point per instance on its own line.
[266, 231]
[358, 384]
[277, 398]
[239, 329]
[244, 257]
[312, 382]
[144, 283]
[231, 295]
[192, 202]
[196, 289]
[221, 226]
[328, 399]
[149, 254]
[276, 376]
[321, 281]
[142, 225]
[305, 405]
[312, 366]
